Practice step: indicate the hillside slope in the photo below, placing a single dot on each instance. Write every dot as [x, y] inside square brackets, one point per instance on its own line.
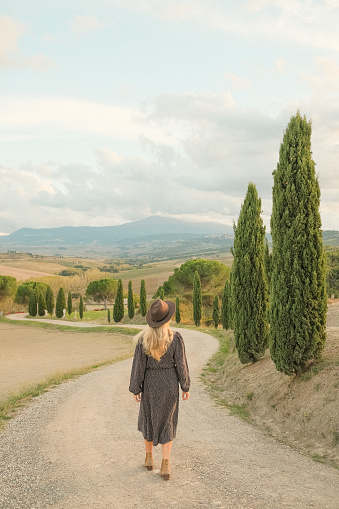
[300, 411]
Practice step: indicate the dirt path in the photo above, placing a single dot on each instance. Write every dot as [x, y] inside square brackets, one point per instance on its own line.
[77, 447]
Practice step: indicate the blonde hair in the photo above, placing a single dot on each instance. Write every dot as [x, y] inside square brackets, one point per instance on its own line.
[156, 340]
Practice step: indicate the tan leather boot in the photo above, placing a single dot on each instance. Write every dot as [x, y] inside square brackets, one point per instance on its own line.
[165, 470]
[149, 461]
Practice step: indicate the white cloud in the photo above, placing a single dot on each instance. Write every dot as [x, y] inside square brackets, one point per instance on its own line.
[200, 153]
[53, 116]
[324, 75]
[304, 22]
[10, 56]
[107, 157]
[174, 11]
[283, 65]
[10, 31]
[85, 24]
[239, 82]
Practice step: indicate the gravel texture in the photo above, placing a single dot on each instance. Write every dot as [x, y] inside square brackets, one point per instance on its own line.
[77, 447]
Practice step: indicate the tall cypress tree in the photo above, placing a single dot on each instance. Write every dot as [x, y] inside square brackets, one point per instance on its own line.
[268, 258]
[143, 303]
[118, 309]
[298, 297]
[177, 310]
[60, 304]
[197, 299]
[130, 301]
[249, 284]
[49, 300]
[226, 307]
[41, 304]
[69, 303]
[81, 307]
[32, 305]
[216, 312]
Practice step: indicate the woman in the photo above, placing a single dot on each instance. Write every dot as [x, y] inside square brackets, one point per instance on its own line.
[159, 366]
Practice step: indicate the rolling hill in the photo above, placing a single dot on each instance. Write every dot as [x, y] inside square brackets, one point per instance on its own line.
[151, 235]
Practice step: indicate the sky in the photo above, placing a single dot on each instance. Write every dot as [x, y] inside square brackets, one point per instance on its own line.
[115, 110]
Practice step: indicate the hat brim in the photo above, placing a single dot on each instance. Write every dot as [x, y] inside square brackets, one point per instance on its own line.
[171, 311]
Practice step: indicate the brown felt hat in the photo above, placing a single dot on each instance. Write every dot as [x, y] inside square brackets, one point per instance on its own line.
[160, 312]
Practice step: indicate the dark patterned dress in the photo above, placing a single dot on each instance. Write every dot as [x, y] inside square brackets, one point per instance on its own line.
[158, 381]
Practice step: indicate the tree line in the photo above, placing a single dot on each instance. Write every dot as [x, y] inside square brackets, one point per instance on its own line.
[280, 300]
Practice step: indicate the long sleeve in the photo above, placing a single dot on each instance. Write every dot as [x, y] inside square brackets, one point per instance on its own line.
[138, 369]
[181, 364]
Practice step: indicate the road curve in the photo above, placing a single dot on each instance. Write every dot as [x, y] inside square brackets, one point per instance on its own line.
[77, 447]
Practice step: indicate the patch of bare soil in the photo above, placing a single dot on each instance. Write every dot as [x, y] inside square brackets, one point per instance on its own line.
[301, 411]
[31, 355]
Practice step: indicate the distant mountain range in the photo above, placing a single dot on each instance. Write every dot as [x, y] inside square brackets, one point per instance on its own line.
[153, 237]
[124, 240]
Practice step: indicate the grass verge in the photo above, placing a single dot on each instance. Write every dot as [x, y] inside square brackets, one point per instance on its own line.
[128, 331]
[213, 367]
[14, 402]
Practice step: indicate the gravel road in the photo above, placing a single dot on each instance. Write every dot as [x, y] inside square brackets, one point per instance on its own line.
[77, 447]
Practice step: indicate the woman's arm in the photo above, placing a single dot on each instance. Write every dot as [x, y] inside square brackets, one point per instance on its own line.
[182, 366]
[138, 370]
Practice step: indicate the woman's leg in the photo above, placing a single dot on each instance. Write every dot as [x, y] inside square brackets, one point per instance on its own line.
[149, 456]
[148, 446]
[165, 470]
[166, 450]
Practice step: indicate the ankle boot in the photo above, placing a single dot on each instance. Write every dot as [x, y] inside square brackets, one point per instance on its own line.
[149, 461]
[165, 470]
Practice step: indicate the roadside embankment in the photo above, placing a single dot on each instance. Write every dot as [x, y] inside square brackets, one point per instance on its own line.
[300, 411]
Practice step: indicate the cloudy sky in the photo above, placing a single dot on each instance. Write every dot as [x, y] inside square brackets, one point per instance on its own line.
[115, 110]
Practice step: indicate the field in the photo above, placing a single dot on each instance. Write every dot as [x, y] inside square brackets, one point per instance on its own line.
[154, 276]
[48, 265]
[30, 355]
[47, 269]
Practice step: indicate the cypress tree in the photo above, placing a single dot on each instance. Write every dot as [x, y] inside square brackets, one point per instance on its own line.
[267, 262]
[249, 284]
[118, 309]
[226, 307]
[216, 312]
[298, 298]
[162, 294]
[108, 315]
[49, 300]
[143, 303]
[177, 310]
[69, 303]
[230, 297]
[60, 304]
[32, 305]
[81, 307]
[197, 299]
[41, 304]
[130, 301]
